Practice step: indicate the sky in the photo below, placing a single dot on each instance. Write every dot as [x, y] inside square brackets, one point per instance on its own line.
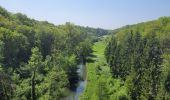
[108, 14]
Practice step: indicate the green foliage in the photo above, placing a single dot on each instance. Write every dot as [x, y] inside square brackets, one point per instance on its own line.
[139, 56]
[58, 83]
[100, 84]
[4, 12]
[6, 86]
[137, 59]
[39, 58]
[1, 52]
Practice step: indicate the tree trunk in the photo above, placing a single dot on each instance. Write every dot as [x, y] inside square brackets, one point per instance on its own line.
[33, 87]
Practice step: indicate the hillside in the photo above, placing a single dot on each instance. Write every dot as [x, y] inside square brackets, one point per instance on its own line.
[161, 27]
[43, 61]
[139, 56]
[38, 60]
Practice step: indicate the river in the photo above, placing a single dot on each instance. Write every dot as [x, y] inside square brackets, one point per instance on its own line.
[74, 95]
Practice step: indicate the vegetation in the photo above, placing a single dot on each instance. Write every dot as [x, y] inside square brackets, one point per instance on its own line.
[135, 66]
[100, 84]
[38, 60]
[140, 58]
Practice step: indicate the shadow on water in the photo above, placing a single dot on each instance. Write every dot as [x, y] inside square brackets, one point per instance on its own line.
[77, 89]
[75, 81]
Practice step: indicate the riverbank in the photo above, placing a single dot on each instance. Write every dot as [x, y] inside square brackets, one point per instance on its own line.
[97, 73]
[100, 83]
[75, 94]
[94, 74]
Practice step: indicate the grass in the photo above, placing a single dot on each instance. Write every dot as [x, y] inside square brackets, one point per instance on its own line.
[99, 48]
[96, 71]
[100, 83]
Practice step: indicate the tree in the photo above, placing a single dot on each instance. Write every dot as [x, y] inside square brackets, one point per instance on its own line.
[110, 50]
[4, 12]
[1, 53]
[58, 82]
[14, 48]
[35, 63]
[138, 68]
[84, 49]
[154, 62]
[6, 86]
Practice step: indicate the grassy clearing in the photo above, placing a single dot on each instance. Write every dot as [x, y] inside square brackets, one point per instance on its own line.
[100, 84]
[96, 71]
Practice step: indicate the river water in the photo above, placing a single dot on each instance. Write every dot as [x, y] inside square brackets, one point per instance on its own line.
[74, 95]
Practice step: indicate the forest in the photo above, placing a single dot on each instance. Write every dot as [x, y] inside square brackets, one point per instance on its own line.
[138, 56]
[38, 60]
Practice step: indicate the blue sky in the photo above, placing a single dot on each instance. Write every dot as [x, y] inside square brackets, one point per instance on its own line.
[108, 14]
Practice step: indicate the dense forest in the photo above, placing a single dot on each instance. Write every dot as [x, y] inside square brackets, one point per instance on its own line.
[38, 60]
[138, 55]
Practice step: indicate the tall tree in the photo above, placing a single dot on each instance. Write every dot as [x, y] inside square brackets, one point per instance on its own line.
[155, 61]
[35, 63]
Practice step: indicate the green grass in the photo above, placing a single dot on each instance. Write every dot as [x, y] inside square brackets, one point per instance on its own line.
[100, 84]
[99, 48]
[96, 71]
